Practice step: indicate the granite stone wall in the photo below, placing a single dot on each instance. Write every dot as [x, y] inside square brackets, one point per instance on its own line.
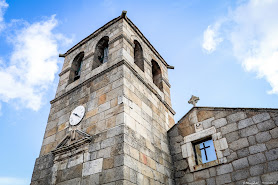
[252, 153]
[123, 135]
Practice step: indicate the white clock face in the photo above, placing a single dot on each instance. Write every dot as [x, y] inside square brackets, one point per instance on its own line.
[76, 115]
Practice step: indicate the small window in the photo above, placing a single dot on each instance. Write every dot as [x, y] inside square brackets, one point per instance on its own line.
[76, 67]
[204, 151]
[138, 55]
[157, 75]
[101, 52]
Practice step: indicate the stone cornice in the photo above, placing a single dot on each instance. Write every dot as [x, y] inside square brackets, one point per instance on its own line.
[86, 82]
[65, 71]
[122, 62]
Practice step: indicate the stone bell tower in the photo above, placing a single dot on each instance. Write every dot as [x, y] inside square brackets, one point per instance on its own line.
[109, 119]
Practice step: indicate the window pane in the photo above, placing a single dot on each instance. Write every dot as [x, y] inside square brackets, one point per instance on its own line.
[210, 151]
[205, 152]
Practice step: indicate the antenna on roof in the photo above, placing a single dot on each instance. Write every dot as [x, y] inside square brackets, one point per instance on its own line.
[124, 14]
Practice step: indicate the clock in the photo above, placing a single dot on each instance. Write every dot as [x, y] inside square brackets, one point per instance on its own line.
[76, 115]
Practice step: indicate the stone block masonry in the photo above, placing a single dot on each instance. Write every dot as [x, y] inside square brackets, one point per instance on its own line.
[128, 134]
[251, 152]
[126, 117]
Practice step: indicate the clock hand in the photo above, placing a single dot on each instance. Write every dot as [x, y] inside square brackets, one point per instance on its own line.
[76, 115]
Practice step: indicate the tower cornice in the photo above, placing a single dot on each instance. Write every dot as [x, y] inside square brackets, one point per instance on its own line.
[122, 62]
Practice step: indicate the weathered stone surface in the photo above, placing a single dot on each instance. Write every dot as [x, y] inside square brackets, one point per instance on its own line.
[212, 172]
[201, 182]
[188, 177]
[272, 166]
[203, 115]
[181, 165]
[111, 175]
[219, 122]
[256, 159]
[248, 131]
[242, 152]
[274, 132]
[107, 142]
[223, 169]
[260, 117]
[221, 144]
[245, 123]
[69, 173]
[275, 119]
[204, 174]
[240, 174]
[229, 128]
[108, 163]
[92, 167]
[75, 181]
[236, 117]
[252, 140]
[257, 170]
[226, 152]
[223, 179]
[271, 144]
[90, 180]
[211, 181]
[262, 137]
[256, 179]
[75, 160]
[232, 157]
[94, 147]
[272, 154]
[207, 123]
[270, 177]
[238, 144]
[232, 136]
[266, 125]
[257, 148]
[240, 163]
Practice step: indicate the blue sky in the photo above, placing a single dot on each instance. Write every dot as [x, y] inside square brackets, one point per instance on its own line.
[225, 52]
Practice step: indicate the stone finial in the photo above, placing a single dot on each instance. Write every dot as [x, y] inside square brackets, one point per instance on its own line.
[123, 13]
[193, 100]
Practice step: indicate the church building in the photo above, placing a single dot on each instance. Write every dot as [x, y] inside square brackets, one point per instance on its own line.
[112, 123]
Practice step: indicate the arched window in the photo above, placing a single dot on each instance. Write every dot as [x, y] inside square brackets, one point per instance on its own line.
[157, 75]
[138, 55]
[101, 52]
[76, 67]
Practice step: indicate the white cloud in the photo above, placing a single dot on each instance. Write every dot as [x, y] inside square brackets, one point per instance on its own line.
[32, 65]
[13, 181]
[3, 7]
[211, 38]
[252, 29]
